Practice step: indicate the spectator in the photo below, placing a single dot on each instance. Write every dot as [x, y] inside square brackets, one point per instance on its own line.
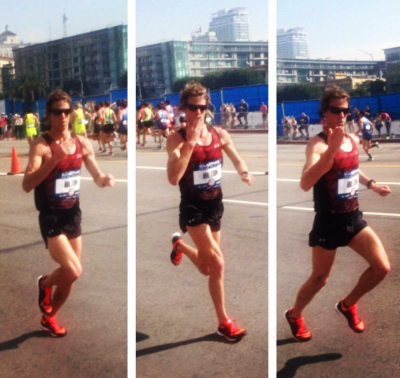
[368, 113]
[243, 112]
[226, 116]
[293, 122]
[350, 123]
[378, 123]
[388, 123]
[233, 115]
[3, 125]
[19, 133]
[305, 123]
[264, 112]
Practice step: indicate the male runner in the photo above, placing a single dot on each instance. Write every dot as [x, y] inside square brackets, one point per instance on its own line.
[53, 170]
[30, 121]
[78, 119]
[365, 128]
[332, 169]
[194, 162]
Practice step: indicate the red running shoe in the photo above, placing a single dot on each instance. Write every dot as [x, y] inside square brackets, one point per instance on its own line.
[350, 313]
[298, 328]
[176, 257]
[230, 331]
[51, 325]
[44, 299]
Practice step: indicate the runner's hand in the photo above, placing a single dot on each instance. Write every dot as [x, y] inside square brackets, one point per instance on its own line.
[193, 130]
[382, 190]
[335, 139]
[108, 180]
[64, 147]
[248, 178]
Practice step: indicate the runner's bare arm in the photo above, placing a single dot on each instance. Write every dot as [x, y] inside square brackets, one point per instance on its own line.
[179, 153]
[99, 177]
[319, 159]
[238, 162]
[382, 190]
[36, 171]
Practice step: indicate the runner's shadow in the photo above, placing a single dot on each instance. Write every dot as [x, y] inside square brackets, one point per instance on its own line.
[286, 341]
[14, 343]
[141, 336]
[160, 348]
[291, 366]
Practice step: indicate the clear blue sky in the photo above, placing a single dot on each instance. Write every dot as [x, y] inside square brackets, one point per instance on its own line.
[338, 29]
[31, 20]
[168, 20]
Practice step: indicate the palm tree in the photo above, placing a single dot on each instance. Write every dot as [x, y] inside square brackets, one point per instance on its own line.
[27, 86]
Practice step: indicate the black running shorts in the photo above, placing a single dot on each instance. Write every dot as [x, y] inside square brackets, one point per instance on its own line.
[108, 129]
[331, 231]
[148, 123]
[195, 213]
[67, 222]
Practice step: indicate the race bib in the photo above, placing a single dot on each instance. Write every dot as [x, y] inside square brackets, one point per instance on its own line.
[124, 122]
[348, 185]
[108, 120]
[367, 127]
[207, 175]
[67, 185]
[31, 125]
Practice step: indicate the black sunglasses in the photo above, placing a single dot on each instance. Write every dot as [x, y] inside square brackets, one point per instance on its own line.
[193, 107]
[335, 110]
[58, 112]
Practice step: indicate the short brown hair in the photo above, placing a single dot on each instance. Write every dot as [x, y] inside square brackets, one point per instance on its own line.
[332, 93]
[192, 88]
[55, 96]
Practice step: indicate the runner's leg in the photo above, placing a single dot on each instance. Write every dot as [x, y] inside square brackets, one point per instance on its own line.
[209, 257]
[368, 245]
[67, 253]
[322, 262]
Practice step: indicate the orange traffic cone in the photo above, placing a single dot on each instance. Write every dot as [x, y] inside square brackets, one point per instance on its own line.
[15, 167]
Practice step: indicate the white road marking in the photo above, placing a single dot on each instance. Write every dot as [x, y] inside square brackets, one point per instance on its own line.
[379, 182]
[224, 171]
[364, 212]
[82, 178]
[246, 202]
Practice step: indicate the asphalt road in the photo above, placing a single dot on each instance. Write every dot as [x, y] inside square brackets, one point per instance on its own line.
[96, 313]
[176, 322]
[335, 350]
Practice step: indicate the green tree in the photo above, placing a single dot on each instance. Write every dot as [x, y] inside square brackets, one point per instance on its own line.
[298, 92]
[28, 88]
[179, 84]
[369, 87]
[223, 79]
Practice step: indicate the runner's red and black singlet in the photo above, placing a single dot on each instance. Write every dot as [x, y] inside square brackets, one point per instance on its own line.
[202, 178]
[337, 190]
[60, 189]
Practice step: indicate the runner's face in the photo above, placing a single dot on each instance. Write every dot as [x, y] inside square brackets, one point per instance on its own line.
[192, 115]
[60, 122]
[334, 120]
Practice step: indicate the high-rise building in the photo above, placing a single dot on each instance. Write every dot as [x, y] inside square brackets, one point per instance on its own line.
[231, 25]
[97, 60]
[392, 57]
[159, 66]
[292, 43]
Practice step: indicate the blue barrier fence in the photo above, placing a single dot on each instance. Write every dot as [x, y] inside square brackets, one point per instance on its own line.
[254, 95]
[20, 107]
[389, 103]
